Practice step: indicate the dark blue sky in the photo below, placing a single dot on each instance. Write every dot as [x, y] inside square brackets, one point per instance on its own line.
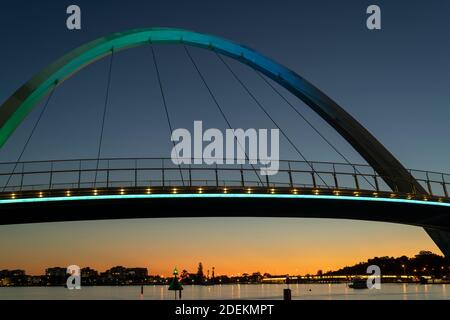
[395, 81]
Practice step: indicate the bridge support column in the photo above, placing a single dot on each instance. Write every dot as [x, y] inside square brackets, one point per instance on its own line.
[442, 240]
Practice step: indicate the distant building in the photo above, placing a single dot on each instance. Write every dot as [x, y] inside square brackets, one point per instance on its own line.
[137, 272]
[117, 272]
[12, 273]
[88, 273]
[56, 276]
[89, 277]
[36, 280]
[13, 278]
[55, 272]
[5, 282]
[121, 275]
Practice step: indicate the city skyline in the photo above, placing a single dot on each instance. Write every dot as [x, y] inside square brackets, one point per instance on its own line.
[295, 250]
[402, 262]
[422, 263]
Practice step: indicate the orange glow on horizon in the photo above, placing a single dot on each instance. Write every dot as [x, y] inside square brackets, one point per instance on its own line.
[231, 245]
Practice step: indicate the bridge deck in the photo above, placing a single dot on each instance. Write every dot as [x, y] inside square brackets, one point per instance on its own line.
[128, 203]
[70, 190]
[22, 177]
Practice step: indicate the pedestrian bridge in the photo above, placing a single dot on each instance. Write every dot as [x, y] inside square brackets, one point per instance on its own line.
[119, 188]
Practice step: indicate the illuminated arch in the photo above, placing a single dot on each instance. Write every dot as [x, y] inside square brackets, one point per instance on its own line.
[19, 105]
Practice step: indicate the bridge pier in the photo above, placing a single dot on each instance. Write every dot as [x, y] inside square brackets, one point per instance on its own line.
[442, 239]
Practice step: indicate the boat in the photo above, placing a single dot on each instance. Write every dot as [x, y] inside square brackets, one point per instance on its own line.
[358, 283]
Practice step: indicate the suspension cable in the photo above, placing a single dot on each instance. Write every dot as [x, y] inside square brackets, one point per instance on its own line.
[55, 84]
[219, 107]
[105, 106]
[166, 109]
[270, 117]
[312, 126]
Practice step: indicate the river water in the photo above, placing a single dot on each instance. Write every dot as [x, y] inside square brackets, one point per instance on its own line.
[233, 291]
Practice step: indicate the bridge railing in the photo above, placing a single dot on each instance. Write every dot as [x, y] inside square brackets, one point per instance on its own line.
[162, 172]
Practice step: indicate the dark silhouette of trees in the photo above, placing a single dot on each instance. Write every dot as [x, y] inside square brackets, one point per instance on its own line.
[200, 274]
[423, 264]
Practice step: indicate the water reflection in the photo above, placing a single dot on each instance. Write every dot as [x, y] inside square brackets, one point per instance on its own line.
[235, 291]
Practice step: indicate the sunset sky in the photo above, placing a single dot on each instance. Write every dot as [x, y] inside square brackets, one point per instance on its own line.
[232, 246]
[394, 81]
